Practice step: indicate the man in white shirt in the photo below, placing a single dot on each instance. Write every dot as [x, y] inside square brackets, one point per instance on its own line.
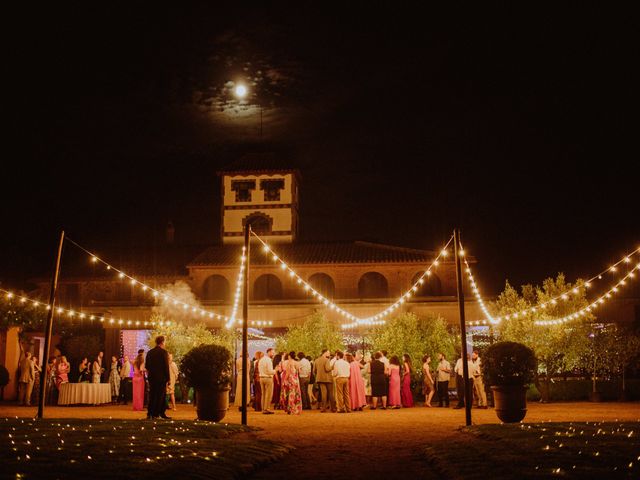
[478, 384]
[460, 379]
[384, 360]
[266, 372]
[342, 372]
[304, 374]
[442, 377]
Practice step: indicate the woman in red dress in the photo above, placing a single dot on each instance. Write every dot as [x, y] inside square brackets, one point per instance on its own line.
[394, 382]
[277, 381]
[406, 394]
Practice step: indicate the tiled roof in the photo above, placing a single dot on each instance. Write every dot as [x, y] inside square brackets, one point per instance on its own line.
[261, 162]
[316, 253]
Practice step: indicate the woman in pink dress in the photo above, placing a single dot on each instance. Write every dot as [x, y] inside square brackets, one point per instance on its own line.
[62, 372]
[290, 394]
[405, 394]
[356, 383]
[138, 383]
[394, 382]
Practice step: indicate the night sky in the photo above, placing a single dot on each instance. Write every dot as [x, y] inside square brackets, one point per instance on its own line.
[521, 128]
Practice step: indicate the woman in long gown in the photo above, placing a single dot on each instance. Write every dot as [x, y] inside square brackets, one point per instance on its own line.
[379, 385]
[114, 379]
[62, 372]
[96, 370]
[290, 394]
[277, 378]
[257, 391]
[427, 385]
[366, 375]
[35, 395]
[173, 378]
[138, 383]
[406, 394]
[52, 376]
[84, 371]
[238, 396]
[357, 397]
[394, 382]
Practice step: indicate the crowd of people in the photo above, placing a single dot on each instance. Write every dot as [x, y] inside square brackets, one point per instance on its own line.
[339, 382]
[129, 382]
[346, 382]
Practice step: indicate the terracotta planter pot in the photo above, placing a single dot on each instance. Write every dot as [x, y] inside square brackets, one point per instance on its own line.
[510, 402]
[212, 403]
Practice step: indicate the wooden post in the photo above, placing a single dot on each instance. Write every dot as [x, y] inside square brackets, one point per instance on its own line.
[468, 396]
[48, 328]
[245, 323]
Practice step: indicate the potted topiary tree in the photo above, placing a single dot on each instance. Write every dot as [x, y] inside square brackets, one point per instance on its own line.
[509, 368]
[208, 370]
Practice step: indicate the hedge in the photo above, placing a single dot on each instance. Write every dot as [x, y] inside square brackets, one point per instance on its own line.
[574, 390]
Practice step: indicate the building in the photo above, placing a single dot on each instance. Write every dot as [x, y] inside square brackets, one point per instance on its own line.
[362, 277]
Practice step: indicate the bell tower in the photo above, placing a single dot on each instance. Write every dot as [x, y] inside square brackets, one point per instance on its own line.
[257, 191]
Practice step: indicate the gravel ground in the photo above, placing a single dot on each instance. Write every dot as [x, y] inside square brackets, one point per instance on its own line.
[359, 445]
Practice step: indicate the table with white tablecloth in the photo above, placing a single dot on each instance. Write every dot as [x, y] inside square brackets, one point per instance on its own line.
[88, 393]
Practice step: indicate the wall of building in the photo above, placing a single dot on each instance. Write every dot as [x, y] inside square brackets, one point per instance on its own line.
[282, 212]
[345, 277]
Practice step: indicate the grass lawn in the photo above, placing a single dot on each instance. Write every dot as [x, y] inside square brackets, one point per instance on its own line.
[541, 450]
[66, 448]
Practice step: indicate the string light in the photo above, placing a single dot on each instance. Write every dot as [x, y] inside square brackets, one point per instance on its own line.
[196, 309]
[476, 293]
[373, 320]
[239, 288]
[71, 313]
[300, 281]
[377, 319]
[589, 308]
[563, 296]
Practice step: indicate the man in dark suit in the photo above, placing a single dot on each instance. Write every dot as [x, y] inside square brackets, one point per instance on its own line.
[157, 365]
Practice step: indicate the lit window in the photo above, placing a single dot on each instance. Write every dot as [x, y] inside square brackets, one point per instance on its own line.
[243, 189]
[272, 189]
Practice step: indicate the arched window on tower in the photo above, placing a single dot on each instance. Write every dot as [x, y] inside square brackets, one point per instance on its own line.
[432, 287]
[324, 284]
[373, 285]
[267, 287]
[216, 289]
[260, 223]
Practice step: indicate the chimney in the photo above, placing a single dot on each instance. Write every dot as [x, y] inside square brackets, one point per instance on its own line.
[171, 231]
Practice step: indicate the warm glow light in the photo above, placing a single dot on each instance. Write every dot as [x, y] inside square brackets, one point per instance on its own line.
[240, 91]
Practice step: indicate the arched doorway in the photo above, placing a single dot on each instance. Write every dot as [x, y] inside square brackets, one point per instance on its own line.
[324, 284]
[373, 285]
[261, 223]
[432, 286]
[267, 287]
[215, 288]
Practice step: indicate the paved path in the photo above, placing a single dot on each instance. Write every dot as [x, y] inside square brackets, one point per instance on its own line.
[359, 445]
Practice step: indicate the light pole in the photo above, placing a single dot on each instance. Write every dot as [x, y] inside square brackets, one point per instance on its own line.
[241, 92]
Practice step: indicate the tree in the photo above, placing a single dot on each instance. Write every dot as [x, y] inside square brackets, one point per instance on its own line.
[311, 337]
[14, 313]
[623, 351]
[408, 333]
[181, 338]
[558, 348]
[77, 347]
